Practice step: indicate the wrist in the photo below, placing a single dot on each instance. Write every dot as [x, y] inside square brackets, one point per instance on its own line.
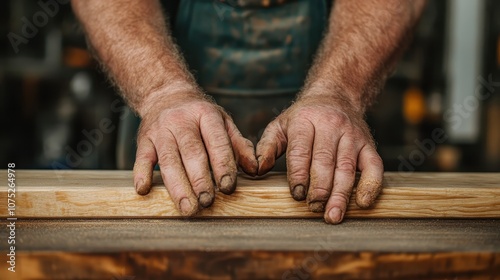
[335, 93]
[175, 93]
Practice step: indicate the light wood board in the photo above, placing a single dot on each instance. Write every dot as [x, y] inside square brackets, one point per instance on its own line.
[73, 194]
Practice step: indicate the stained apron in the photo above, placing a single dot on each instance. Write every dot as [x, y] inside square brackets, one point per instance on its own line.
[252, 56]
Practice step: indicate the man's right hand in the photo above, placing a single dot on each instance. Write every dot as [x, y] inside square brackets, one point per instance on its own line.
[181, 129]
[187, 135]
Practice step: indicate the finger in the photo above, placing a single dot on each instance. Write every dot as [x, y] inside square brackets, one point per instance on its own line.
[298, 157]
[195, 161]
[220, 151]
[345, 173]
[145, 161]
[322, 168]
[243, 148]
[174, 176]
[271, 146]
[372, 173]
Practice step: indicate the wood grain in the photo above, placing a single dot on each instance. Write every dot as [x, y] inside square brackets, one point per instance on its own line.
[281, 235]
[135, 249]
[56, 194]
[256, 265]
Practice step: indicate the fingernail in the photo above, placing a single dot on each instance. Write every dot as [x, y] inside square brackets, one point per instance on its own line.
[259, 159]
[259, 165]
[365, 201]
[299, 192]
[226, 184]
[317, 206]
[366, 197]
[205, 199]
[139, 187]
[335, 215]
[186, 207]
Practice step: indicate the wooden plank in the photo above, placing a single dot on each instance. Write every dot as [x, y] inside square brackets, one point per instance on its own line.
[256, 249]
[55, 194]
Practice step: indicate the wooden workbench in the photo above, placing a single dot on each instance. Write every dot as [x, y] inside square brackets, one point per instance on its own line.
[75, 231]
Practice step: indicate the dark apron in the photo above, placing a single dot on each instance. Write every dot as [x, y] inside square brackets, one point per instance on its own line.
[252, 56]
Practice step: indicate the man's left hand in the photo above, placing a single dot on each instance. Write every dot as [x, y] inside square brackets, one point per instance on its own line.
[326, 140]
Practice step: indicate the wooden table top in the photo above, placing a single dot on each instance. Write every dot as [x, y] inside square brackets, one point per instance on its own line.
[256, 249]
[359, 235]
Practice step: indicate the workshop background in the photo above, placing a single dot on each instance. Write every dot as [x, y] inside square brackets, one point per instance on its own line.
[53, 98]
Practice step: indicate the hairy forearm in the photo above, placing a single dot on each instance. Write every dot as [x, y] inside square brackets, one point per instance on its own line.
[132, 41]
[364, 40]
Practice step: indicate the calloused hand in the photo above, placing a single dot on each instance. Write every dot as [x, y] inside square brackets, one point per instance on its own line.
[187, 136]
[326, 139]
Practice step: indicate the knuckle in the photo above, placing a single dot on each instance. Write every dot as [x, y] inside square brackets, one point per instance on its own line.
[262, 147]
[193, 153]
[207, 110]
[145, 157]
[298, 147]
[353, 133]
[144, 132]
[204, 109]
[341, 197]
[319, 192]
[346, 164]
[248, 144]
[165, 157]
[339, 120]
[191, 148]
[320, 186]
[220, 145]
[302, 113]
[298, 175]
[224, 161]
[324, 157]
[376, 160]
[298, 152]
[270, 130]
[199, 181]
[273, 133]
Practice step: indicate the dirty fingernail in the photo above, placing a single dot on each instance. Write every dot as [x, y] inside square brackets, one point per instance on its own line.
[186, 207]
[140, 188]
[260, 159]
[259, 165]
[226, 184]
[250, 166]
[365, 201]
[317, 206]
[299, 192]
[335, 215]
[206, 199]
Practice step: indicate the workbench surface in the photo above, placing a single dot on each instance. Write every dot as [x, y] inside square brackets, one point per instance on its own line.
[359, 235]
[257, 249]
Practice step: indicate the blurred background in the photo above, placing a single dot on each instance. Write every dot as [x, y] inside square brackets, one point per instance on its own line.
[440, 111]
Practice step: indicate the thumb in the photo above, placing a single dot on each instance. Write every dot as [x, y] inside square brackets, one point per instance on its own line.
[243, 148]
[271, 146]
[145, 162]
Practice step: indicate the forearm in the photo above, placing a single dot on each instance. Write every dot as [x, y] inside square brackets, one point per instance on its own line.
[364, 40]
[132, 41]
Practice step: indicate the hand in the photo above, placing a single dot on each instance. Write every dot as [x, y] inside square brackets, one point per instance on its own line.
[325, 139]
[187, 136]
